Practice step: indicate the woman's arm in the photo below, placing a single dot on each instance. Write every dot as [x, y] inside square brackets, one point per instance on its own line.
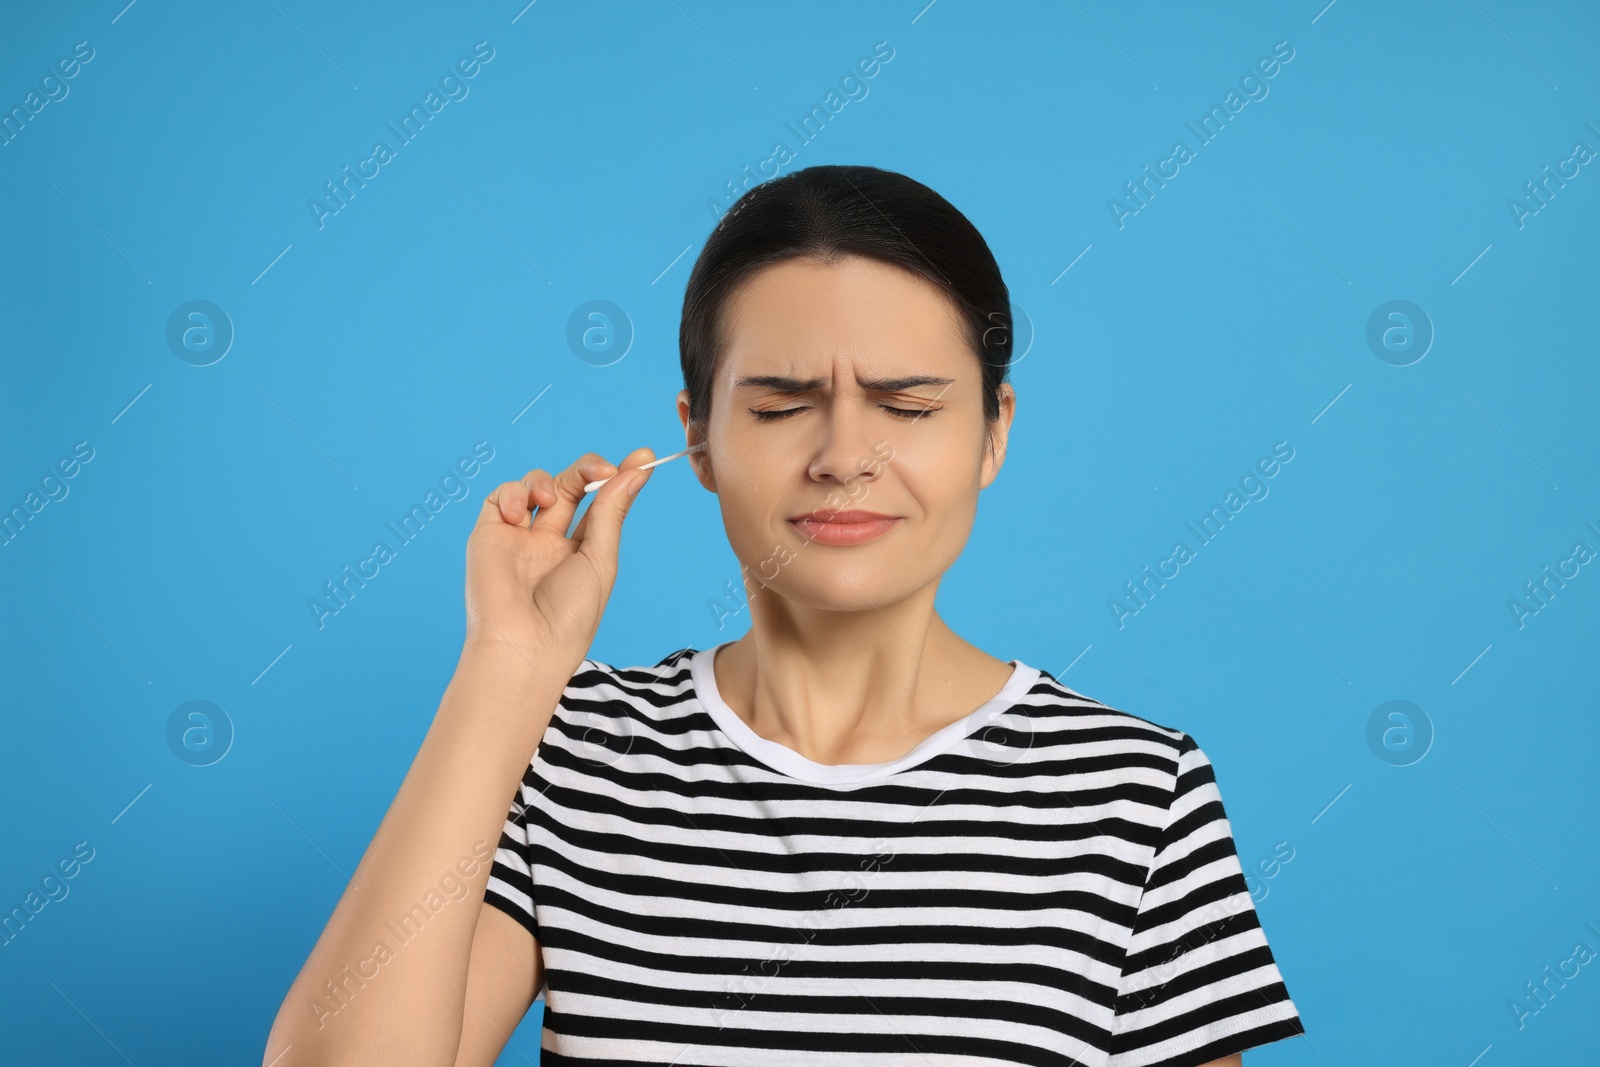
[505, 977]
[388, 979]
[366, 996]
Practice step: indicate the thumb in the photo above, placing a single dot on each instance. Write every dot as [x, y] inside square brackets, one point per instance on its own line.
[612, 501]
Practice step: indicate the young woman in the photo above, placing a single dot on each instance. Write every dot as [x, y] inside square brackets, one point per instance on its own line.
[850, 836]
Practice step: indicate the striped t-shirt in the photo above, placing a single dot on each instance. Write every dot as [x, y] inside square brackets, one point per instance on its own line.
[1045, 881]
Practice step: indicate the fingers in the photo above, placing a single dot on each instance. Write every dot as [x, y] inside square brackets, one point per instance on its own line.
[567, 492]
[637, 458]
[602, 534]
[508, 503]
[554, 499]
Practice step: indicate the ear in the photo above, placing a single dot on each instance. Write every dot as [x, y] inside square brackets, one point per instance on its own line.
[701, 461]
[996, 435]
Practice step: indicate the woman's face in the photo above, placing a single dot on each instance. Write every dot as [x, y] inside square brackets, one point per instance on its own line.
[846, 388]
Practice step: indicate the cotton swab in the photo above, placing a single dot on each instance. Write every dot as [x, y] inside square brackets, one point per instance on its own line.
[592, 486]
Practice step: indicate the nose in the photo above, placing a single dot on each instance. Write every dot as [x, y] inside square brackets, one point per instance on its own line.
[846, 451]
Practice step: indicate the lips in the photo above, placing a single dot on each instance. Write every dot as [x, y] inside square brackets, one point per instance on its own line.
[843, 527]
[851, 516]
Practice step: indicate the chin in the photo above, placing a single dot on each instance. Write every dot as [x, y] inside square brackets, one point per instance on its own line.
[843, 589]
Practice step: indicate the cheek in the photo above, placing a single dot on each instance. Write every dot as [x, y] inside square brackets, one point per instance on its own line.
[750, 494]
[932, 470]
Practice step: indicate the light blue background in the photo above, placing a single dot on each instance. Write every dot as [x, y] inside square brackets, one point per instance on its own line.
[1227, 315]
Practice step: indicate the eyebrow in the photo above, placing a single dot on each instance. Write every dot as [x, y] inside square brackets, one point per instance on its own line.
[783, 384]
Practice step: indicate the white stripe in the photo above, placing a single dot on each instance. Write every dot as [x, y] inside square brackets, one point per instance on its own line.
[710, 826]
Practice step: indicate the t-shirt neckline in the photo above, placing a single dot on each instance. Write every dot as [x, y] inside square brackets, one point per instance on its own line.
[787, 761]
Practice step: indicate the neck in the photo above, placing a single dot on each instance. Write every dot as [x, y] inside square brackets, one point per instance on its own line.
[854, 688]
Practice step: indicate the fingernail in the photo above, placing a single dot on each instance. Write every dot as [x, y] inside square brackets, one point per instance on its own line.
[637, 484]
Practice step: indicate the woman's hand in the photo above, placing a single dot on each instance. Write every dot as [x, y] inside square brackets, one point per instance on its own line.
[532, 587]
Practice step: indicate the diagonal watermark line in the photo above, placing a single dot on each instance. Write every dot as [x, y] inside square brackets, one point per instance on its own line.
[1330, 404]
[499, 231]
[130, 403]
[1301, 632]
[131, 803]
[124, 11]
[1323, 12]
[1469, 266]
[523, 12]
[101, 632]
[713, 44]
[1069, 266]
[1330, 804]
[269, 666]
[308, 440]
[1469, 666]
[1318, 1051]
[313, 44]
[669, 266]
[1075, 660]
[269, 266]
[1113, 44]
[301, 832]
[1502, 433]
[923, 12]
[530, 404]
[102, 233]
[90, 1021]
[1513, 44]
[1502, 833]
[1102, 433]
[1299, 231]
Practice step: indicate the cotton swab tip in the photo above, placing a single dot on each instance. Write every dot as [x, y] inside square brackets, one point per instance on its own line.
[592, 486]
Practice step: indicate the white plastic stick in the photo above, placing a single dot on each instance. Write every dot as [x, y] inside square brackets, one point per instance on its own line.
[592, 486]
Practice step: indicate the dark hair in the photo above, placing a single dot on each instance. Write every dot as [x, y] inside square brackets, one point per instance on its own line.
[826, 213]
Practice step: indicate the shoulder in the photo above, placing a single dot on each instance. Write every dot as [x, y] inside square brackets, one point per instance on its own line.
[594, 671]
[608, 711]
[1112, 756]
[1156, 776]
[1066, 716]
[642, 689]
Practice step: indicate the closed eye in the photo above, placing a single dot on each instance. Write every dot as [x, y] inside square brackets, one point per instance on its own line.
[904, 413]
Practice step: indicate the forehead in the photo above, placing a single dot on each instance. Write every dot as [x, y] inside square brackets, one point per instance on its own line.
[805, 313]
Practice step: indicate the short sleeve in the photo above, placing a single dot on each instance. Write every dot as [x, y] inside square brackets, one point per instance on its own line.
[1198, 980]
[510, 885]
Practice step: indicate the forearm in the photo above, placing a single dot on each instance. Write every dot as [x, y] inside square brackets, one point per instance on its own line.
[387, 972]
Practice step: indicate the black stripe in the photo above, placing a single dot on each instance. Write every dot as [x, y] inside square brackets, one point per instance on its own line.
[683, 825]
